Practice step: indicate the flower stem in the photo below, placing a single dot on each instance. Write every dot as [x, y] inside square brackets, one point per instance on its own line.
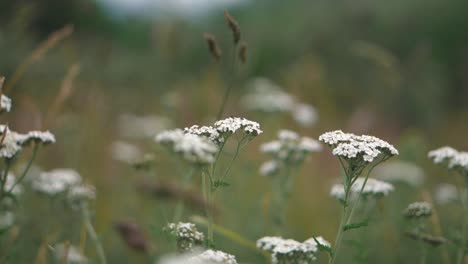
[93, 235]
[207, 197]
[179, 210]
[461, 250]
[25, 171]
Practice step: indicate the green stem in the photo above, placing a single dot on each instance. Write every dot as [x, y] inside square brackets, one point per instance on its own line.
[229, 88]
[233, 236]
[339, 235]
[207, 197]
[179, 210]
[3, 180]
[93, 235]
[461, 250]
[25, 171]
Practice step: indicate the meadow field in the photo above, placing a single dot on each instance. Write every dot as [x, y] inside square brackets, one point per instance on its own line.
[287, 132]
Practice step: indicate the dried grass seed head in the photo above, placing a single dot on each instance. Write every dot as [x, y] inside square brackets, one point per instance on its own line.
[213, 46]
[233, 26]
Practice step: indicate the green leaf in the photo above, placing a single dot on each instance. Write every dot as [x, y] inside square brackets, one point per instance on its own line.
[355, 225]
[220, 183]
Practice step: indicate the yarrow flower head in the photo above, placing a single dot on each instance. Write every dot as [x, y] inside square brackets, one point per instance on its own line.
[12, 142]
[373, 188]
[266, 96]
[56, 181]
[70, 253]
[5, 104]
[446, 193]
[193, 148]
[79, 195]
[418, 210]
[231, 125]
[186, 234]
[442, 154]
[291, 251]
[402, 172]
[451, 159]
[352, 147]
[213, 257]
[125, 152]
[305, 114]
[206, 131]
[133, 126]
[38, 137]
[11, 185]
[288, 148]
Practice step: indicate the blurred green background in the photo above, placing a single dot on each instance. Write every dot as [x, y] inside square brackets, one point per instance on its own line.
[394, 69]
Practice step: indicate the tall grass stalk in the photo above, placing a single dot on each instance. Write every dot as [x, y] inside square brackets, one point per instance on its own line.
[93, 235]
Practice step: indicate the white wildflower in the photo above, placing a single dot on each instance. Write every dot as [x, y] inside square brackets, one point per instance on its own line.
[69, 252]
[10, 182]
[214, 257]
[418, 210]
[206, 131]
[337, 191]
[186, 234]
[193, 148]
[401, 171]
[442, 154]
[305, 114]
[446, 193]
[80, 194]
[132, 126]
[231, 125]
[43, 137]
[459, 161]
[265, 96]
[125, 152]
[5, 104]
[288, 250]
[353, 147]
[269, 168]
[321, 242]
[11, 144]
[290, 147]
[7, 219]
[373, 188]
[56, 181]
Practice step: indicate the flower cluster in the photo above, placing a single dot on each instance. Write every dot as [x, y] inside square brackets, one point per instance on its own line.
[214, 257]
[222, 129]
[69, 253]
[132, 126]
[401, 171]
[418, 210]
[13, 142]
[291, 251]
[442, 154]
[451, 158]
[265, 96]
[206, 257]
[373, 188]
[446, 193]
[5, 103]
[56, 181]
[231, 125]
[193, 148]
[64, 181]
[125, 152]
[352, 147]
[186, 235]
[288, 149]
